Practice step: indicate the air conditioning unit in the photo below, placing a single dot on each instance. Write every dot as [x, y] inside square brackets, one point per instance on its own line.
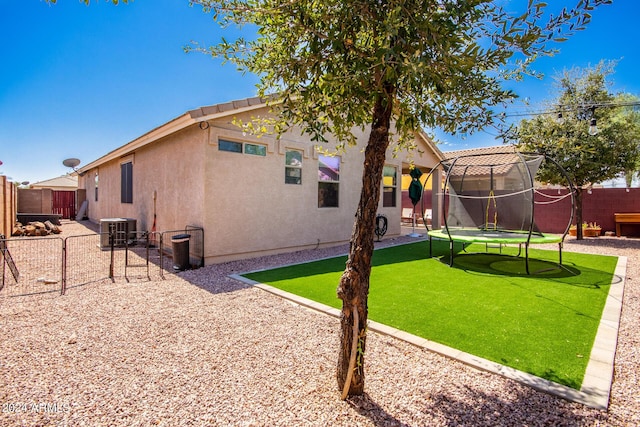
[120, 229]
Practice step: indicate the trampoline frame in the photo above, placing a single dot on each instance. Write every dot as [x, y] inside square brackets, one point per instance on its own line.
[496, 235]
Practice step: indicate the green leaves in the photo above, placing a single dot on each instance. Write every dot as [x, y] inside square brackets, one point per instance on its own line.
[444, 63]
[87, 2]
[587, 158]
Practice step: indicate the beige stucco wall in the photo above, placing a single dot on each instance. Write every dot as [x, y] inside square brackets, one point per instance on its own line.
[251, 211]
[172, 167]
[240, 200]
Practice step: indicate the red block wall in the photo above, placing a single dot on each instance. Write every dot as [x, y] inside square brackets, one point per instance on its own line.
[598, 206]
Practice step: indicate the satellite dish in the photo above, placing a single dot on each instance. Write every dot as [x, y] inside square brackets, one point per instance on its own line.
[71, 163]
[24, 183]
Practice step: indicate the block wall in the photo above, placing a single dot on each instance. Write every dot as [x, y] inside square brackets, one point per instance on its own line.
[598, 205]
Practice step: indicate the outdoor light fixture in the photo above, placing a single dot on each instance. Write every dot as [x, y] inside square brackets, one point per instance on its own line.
[204, 125]
[582, 109]
[593, 129]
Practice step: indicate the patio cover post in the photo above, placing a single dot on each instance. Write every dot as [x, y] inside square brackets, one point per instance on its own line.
[436, 187]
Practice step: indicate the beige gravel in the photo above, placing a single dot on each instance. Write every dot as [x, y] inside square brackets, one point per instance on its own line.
[201, 349]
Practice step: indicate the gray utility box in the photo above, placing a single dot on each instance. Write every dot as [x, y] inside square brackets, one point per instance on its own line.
[123, 229]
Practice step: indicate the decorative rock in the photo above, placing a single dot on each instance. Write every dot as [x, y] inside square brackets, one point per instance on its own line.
[36, 228]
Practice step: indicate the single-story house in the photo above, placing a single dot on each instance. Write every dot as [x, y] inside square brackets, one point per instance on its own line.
[60, 183]
[252, 195]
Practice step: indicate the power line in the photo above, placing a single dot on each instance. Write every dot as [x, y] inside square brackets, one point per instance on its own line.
[585, 106]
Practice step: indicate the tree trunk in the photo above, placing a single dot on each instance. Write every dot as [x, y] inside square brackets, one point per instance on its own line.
[579, 234]
[628, 178]
[354, 283]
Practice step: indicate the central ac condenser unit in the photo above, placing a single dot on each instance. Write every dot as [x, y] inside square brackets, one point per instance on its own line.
[118, 229]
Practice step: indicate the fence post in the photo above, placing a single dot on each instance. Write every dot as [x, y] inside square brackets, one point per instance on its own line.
[146, 245]
[64, 267]
[161, 256]
[112, 243]
[4, 261]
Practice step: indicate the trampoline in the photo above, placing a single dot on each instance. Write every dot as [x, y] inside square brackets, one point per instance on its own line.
[490, 198]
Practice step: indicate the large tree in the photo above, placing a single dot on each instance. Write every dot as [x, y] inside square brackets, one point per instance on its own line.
[586, 156]
[390, 66]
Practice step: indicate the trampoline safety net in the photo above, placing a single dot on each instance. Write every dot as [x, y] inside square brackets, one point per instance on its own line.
[491, 194]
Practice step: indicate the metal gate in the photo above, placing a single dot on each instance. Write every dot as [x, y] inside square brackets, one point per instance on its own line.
[84, 261]
[31, 265]
[52, 264]
[64, 203]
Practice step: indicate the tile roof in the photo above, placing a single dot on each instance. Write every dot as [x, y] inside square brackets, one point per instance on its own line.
[482, 161]
[61, 181]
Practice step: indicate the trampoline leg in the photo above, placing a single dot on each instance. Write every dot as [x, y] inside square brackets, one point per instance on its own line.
[526, 256]
[560, 253]
[451, 253]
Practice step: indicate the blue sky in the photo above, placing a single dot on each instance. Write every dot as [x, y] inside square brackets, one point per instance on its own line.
[80, 81]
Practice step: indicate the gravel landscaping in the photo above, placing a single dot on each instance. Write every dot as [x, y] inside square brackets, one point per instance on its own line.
[199, 349]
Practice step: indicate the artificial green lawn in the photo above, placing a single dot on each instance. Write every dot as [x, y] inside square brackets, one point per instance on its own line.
[486, 305]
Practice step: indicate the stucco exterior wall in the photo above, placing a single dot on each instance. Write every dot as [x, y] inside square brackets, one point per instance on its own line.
[240, 200]
[172, 167]
[250, 208]
[251, 211]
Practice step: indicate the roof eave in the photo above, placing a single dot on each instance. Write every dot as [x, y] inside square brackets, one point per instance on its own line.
[430, 143]
[168, 128]
[225, 109]
[190, 118]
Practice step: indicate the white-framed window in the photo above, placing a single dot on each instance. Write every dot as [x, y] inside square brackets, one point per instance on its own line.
[293, 167]
[389, 186]
[328, 181]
